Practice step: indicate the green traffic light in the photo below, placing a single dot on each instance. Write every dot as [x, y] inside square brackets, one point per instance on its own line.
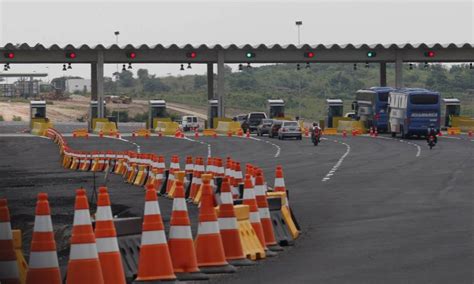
[371, 54]
[250, 54]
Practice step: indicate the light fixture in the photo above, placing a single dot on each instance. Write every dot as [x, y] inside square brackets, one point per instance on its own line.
[411, 66]
[248, 65]
[367, 65]
[298, 67]
[426, 65]
[355, 66]
[129, 65]
[241, 66]
[69, 66]
[189, 66]
[64, 67]
[307, 65]
[182, 67]
[124, 68]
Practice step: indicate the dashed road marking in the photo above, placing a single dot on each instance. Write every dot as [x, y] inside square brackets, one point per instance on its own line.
[277, 154]
[339, 162]
[209, 147]
[418, 148]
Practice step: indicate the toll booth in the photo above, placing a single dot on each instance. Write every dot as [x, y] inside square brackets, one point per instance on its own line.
[276, 108]
[334, 109]
[212, 112]
[156, 109]
[94, 113]
[37, 112]
[451, 107]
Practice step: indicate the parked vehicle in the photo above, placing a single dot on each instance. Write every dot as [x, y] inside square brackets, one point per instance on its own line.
[276, 124]
[290, 129]
[189, 123]
[252, 120]
[412, 111]
[264, 127]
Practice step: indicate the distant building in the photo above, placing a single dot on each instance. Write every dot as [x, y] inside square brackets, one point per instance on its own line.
[78, 85]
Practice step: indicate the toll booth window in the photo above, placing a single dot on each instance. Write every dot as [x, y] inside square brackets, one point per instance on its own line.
[383, 97]
[38, 112]
[335, 111]
[277, 111]
[423, 99]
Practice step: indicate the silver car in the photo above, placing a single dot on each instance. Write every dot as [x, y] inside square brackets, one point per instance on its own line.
[290, 129]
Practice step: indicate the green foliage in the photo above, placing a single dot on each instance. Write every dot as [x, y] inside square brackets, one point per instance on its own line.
[1, 118]
[304, 91]
[16, 118]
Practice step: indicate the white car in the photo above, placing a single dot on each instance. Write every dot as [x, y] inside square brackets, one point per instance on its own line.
[189, 123]
[290, 129]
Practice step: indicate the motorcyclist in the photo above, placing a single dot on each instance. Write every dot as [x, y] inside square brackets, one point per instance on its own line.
[315, 129]
[432, 131]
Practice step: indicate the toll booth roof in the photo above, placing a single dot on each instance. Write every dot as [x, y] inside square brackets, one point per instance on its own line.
[278, 101]
[37, 102]
[334, 101]
[451, 101]
[157, 102]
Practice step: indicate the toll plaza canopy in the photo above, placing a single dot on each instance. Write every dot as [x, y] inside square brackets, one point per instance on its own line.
[99, 55]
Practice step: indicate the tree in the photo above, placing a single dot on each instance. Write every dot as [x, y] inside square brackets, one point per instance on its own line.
[142, 75]
[126, 79]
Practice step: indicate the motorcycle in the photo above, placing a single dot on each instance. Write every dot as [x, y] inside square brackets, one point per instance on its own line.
[316, 136]
[431, 141]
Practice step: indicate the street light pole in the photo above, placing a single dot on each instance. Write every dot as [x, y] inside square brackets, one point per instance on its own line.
[116, 33]
[299, 24]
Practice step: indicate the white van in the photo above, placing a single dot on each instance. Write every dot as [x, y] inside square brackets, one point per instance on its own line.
[189, 123]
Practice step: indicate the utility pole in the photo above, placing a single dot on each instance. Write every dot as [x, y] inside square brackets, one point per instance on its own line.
[299, 24]
[117, 33]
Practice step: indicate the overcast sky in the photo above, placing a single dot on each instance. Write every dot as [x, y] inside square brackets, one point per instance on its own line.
[224, 22]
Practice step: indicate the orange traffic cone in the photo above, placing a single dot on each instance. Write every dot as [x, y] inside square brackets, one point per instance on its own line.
[264, 212]
[155, 259]
[196, 133]
[240, 132]
[229, 133]
[249, 199]
[83, 256]
[180, 239]
[8, 266]
[101, 134]
[376, 132]
[219, 168]
[469, 133]
[209, 249]
[229, 228]
[344, 133]
[279, 185]
[189, 167]
[43, 266]
[106, 239]
[174, 167]
[210, 165]
[247, 134]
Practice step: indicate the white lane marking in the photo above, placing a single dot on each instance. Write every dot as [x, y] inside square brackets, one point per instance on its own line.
[277, 154]
[418, 148]
[339, 162]
[209, 147]
[126, 141]
[450, 137]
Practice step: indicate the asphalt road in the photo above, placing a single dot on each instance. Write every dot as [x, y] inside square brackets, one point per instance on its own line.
[372, 210]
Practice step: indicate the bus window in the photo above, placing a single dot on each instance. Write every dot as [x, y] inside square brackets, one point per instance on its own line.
[424, 99]
[383, 97]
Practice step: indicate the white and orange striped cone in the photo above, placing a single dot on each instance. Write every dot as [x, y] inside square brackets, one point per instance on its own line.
[229, 229]
[196, 133]
[264, 212]
[180, 240]
[106, 239]
[9, 272]
[219, 168]
[160, 169]
[210, 165]
[249, 199]
[237, 180]
[279, 185]
[83, 255]
[189, 167]
[209, 248]
[155, 259]
[174, 167]
[247, 134]
[43, 266]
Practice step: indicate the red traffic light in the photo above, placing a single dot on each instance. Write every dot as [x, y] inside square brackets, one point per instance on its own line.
[309, 54]
[71, 55]
[430, 53]
[191, 54]
[9, 55]
[131, 55]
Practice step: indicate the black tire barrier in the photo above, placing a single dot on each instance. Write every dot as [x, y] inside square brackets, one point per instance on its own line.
[188, 186]
[129, 231]
[282, 234]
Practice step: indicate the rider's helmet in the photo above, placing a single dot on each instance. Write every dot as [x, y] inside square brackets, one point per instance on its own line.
[315, 124]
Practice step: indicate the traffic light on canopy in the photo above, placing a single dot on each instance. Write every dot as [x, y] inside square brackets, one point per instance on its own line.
[250, 54]
[429, 53]
[309, 54]
[371, 54]
[191, 54]
[131, 54]
[9, 55]
[71, 55]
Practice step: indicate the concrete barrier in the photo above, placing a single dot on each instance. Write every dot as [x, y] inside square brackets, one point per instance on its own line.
[464, 123]
[252, 247]
[330, 131]
[166, 127]
[224, 127]
[351, 125]
[40, 128]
